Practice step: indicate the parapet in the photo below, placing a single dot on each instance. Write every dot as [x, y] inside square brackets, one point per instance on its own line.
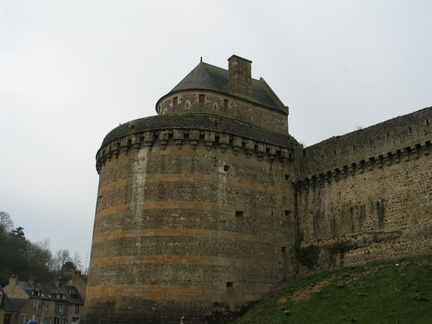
[388, 141]
[196, 129]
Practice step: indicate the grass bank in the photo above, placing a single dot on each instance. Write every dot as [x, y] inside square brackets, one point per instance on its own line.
[391, 292]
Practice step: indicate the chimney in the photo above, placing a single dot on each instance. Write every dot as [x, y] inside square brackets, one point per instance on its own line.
[13, 280]
[76, 275]
[240, 76]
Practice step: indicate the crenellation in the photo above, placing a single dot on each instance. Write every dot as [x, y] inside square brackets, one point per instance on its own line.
[179, 137]
[380, 161]
[149, 138]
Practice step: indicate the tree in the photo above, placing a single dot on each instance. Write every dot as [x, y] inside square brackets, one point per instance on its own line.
[77, 261]
[60, 258]
[6, 221]
[19, 232]
[67, 269]
[40, 259]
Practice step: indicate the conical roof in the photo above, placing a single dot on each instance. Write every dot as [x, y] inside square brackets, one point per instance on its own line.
[209, 77]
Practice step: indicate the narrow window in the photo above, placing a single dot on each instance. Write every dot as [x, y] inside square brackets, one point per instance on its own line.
[225, 103]
[226, 168]
[230, 284]
[201, 98]
[175, 101]
[283, 249]
[287, 212]
[239, 213]
[286, 177]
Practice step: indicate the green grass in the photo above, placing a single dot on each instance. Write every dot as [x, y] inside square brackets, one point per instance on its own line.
[392, 292]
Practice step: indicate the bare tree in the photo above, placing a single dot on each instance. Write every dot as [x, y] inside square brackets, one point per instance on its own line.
[6, 221]
[77, 261]
[60, 258]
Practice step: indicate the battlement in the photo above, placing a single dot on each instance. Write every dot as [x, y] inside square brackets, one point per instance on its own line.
[379, 144]
[196, 130]
[381, 161]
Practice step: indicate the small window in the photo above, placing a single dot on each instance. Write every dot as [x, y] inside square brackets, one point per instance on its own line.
[76, 309]
[201, 98]
[283, 249]
[287, 212]
[61, 310]
[226, 168]
[239, 213]
[286, 177]
[225, 103]
[175, 101]
[230, 284]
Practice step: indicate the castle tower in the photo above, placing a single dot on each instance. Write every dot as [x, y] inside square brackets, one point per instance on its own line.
[194, 215]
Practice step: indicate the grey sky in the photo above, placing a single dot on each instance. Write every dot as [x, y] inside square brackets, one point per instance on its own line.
[70, 71]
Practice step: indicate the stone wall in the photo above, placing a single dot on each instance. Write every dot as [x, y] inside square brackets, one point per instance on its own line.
[189, 223]
[226, 106]
[370, 190]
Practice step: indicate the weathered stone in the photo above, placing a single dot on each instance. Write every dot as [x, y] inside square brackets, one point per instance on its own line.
[202, 208]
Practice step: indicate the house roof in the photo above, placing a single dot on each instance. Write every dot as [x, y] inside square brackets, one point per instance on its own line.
[53, 292]
[209, 77]
[74, 295]
[17, 304]
[8, 304]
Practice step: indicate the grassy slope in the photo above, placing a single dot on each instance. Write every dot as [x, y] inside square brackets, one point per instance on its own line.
[392, 292]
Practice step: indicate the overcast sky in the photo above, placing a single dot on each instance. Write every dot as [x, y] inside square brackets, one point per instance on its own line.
[70, 71]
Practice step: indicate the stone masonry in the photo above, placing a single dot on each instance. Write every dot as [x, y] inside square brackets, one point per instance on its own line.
[205, 207]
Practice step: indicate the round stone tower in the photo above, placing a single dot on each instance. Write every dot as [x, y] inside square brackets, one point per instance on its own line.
[195, 208]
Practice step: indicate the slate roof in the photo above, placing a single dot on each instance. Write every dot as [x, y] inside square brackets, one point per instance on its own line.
[209, 77]
[9, 304]
[74, 295]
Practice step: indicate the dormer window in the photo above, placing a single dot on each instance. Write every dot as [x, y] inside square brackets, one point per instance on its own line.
[201, 98]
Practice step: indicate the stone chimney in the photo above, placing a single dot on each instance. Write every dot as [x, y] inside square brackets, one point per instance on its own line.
[240, 76]
[76, 275]
[13, 280]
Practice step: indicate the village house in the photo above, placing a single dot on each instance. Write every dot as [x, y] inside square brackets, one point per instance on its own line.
[45, 304]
